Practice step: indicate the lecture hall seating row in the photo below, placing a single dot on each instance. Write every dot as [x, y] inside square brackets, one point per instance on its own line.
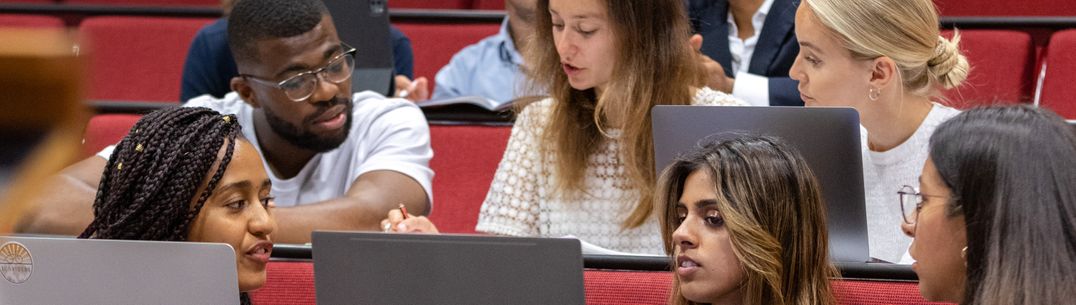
[417, 4]
[141, 58]
[945, 7]
[292, 283]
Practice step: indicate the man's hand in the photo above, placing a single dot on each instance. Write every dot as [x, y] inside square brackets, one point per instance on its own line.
[397, 222]
[415, 90]
[715, 74]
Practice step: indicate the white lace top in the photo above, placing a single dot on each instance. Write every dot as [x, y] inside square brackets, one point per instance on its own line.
[521, 202]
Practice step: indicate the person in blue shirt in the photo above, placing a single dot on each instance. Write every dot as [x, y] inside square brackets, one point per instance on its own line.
[491, 68]
[749, 46]
[209, 67]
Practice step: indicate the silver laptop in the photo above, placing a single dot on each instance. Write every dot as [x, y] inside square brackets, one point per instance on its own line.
[94, 271]
[828, 139]
[384, 269]
[364, 24]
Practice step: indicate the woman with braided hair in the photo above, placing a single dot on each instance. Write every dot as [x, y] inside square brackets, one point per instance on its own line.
[184, 174]
[886, 59]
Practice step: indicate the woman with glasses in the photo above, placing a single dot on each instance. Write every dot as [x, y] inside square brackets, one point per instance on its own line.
[994, 218]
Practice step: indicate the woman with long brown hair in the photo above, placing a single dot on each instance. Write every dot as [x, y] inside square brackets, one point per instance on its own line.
[745, 223]
[581, 161]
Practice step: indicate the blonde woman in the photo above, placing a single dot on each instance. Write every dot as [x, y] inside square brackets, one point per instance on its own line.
[581, 161]
[885, 59]
[745, 223]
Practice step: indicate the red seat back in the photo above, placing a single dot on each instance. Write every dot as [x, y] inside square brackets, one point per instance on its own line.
[1006, 7]
[31, 21]
[106, 129]
[435, 43]
[212, 3]
[137, 58]
[1001, 68]
[287, 283]
[877, 292]
[293, 283]
[431, 4]
[1059, 84]
[465, 158]
[489, 5]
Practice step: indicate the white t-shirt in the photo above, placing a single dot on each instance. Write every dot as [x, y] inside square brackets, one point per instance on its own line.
[884, 173]
[386, 134]
[522, 202]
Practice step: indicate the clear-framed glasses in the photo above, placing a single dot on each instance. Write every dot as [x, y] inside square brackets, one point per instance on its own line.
[910, 203]
[301, 86]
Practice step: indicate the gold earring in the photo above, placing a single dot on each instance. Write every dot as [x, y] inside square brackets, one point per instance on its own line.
[964, 255]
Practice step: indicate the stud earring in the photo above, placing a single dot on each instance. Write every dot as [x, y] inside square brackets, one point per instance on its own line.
[874, 94]
[964, 255]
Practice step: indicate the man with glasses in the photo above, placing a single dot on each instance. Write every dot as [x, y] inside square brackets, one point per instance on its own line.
[337, 160]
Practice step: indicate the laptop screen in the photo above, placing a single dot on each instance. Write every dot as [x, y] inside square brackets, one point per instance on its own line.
[97, 271]
[378, 268]
[828, 139]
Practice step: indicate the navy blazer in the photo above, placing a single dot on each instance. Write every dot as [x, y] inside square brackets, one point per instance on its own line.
[774, 54]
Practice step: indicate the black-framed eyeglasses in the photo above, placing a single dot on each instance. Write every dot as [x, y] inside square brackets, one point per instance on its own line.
[301, 86]
[911, 202]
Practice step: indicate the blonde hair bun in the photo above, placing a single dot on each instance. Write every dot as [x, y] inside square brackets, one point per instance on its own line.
[948, 68]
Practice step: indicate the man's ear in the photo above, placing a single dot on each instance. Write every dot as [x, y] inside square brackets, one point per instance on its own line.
[883, 72]
[240, 86]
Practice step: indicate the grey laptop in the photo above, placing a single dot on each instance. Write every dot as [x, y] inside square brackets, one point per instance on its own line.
[364, 24]
[828, 139]
[83, 271]
[384, 269]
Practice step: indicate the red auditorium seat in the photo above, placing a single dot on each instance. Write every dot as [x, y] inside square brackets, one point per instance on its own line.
[435, 43]
[1001, 68]
[106, 129]
[489, 5]
[1059, 84]
[137, 58]
[627, 287]
[292, 283]
[31, 21]
[431, 4]
[1006, 7]
[212, 3]
[878, 292]
[464, 160]
[30, 1]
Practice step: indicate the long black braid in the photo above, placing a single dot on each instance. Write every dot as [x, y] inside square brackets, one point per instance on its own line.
[152, 176]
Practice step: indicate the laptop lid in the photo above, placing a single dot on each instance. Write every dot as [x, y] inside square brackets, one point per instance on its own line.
[96, 271]
[828, 139]
[378, 268]
[364, 24]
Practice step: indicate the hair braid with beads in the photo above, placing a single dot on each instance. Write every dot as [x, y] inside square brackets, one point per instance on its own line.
[154, 172]
[152, 175]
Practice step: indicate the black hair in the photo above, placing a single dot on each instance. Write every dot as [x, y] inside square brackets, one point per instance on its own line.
[251, 21]
[152, 175]
[1012, 176]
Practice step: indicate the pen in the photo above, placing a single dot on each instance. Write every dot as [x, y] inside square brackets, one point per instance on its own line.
[403, 210]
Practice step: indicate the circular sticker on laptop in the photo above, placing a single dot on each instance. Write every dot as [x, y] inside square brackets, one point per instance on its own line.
[16, 265]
